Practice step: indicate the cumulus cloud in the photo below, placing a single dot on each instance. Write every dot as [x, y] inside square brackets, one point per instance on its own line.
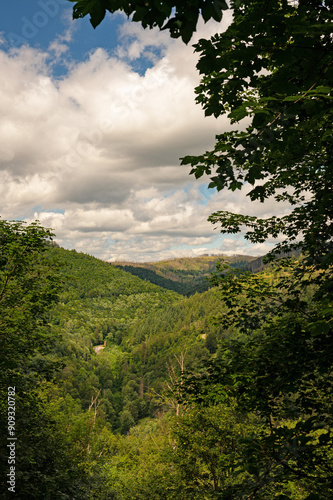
[95, 154]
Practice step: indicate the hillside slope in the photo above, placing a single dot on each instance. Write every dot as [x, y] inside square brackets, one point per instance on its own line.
[144, 326]
[183, 275]
[104, 300]
[180, 391]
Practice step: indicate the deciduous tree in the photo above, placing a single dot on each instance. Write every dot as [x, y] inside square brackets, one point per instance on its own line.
[180, 17]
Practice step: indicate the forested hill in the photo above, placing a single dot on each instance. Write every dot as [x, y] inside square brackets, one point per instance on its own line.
[188, 397]
[102, 299]
[184, 275]
[143, 325]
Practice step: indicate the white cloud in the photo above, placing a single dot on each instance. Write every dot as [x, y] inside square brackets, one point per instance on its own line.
[97, 152]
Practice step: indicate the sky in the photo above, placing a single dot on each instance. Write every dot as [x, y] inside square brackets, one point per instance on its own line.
[92, 126]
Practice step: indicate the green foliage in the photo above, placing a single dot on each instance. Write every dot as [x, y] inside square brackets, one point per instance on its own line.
[179, 17]
[208, 446]
[28, 287]
[278, 367]
[186, 276]
[140, 468]
[183, 286]
[55, 438]
[144, 326]
[254, 421]
[272, 66]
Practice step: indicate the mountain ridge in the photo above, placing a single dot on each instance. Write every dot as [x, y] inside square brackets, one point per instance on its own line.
[185, 275]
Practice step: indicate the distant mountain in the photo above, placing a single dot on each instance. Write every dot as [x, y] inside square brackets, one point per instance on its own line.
[186, 275]
[257, 264]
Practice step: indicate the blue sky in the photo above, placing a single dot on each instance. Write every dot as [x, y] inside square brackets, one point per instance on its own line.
[92, 126]
[39, 22]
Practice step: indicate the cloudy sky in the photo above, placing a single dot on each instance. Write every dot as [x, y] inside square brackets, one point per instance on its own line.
[92, 126]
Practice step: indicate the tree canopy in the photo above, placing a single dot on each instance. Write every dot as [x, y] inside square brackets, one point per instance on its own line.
[273, 69]
[255, 421]
[29, 286]
[178, 16]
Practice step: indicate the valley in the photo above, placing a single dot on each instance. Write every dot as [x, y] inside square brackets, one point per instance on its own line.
[129, 390]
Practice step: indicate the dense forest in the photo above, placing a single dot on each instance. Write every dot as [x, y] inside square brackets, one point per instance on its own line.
[187, 275]
[223, 394]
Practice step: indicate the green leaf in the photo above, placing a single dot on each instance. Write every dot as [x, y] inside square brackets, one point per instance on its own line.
[319, 328]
